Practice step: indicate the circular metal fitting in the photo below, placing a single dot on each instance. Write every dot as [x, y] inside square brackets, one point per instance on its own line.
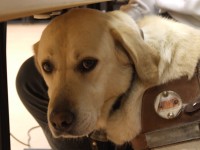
[168, 104]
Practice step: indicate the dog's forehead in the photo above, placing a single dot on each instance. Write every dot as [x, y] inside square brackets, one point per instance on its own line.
[77, 30]
[78, 21]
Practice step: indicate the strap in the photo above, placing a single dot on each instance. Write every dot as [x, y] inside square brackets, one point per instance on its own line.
[99, 137]
[189, 93]
[192, 107]
[172, 135]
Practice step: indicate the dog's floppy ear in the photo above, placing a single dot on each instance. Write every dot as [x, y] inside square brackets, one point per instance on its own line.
[144, 57]
[35, 49]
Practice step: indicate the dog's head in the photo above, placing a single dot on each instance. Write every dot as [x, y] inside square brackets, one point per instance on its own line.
[88, 60]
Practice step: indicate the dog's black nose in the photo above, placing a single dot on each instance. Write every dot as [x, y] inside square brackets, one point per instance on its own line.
[62, 120]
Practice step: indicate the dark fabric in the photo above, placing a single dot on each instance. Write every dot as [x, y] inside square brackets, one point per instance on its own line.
[32, 91]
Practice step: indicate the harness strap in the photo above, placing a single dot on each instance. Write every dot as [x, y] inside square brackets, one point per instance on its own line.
[155, 127]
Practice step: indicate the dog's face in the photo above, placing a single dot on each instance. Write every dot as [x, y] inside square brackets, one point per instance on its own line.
[85, 63]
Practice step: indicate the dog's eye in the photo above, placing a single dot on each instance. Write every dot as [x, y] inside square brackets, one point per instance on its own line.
[47, 67]
[87, 65]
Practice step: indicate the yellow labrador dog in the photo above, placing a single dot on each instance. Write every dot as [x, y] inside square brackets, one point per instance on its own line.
[97, 67]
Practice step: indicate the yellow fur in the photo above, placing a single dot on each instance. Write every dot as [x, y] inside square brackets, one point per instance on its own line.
[168, 51]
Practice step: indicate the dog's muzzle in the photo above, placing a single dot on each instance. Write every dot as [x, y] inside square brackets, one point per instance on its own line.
[62, 121]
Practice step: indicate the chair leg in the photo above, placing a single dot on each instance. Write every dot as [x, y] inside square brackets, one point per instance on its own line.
[4, 113]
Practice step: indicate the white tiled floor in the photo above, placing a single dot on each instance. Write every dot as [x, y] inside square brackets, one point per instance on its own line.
[20, 38]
